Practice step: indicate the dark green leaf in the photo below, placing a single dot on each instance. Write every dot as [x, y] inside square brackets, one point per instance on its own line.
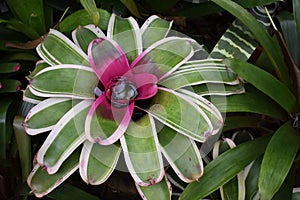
[81, 18]
[265, 82]
[24, 146]
[30, 12]
[224, 168]
[69, 192]
[278, 159]
[252, 101]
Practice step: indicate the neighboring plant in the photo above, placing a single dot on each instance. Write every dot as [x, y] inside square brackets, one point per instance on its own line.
[272, 175]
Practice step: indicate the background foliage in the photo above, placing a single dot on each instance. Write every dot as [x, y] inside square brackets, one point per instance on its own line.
[263, 122]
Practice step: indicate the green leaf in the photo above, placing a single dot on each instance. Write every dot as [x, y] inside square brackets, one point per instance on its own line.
[161, 190]
[235, 122]
[278, 159]
[98, 162]
[30, 12]
[64, 138]
[9, 85]
[24, 146]
[265, 82]
[208, 7]
[142, 153]
[21, 27]
[44, 116]
[42, 183]
[252, 101]
[288, 27]
[81, 18]
[296, 12]
[286, 189]
[126, 32]
[9, 67]
[55, 45]
[154, 29]
[181, 153]
[65, 81]
[252, 179]
[261, 35]
[69, 192]
[223, 170]
[5, 123]
[91, 8]
[131, 6]
[200, 72]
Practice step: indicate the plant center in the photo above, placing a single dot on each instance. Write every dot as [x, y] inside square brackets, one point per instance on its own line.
[120, 92]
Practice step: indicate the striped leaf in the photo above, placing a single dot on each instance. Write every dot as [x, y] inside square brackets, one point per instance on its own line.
[64, 138]
[142, 153]
[236, 42]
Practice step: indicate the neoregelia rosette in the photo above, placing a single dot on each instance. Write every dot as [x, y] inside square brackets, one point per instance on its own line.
[136, 90]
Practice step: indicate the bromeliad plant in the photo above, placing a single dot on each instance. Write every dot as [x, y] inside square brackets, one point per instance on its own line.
[128, 91]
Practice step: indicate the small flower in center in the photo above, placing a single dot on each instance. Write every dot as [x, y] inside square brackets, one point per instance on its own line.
[121, 91]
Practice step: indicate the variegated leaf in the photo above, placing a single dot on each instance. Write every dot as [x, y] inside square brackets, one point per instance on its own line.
[161, 190]
[83, 35]
[126, 32]
[153, 30]
[182, 154]
[64, 138]
[142, 153]
[57, 49]
[97, 162]
[41, 183]
[164, 57]
[171, 108]
[199, 72]
[217, 89]
[46, 114]
[73, 81]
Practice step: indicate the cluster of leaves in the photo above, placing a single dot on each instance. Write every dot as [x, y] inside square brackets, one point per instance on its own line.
[268, 107]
